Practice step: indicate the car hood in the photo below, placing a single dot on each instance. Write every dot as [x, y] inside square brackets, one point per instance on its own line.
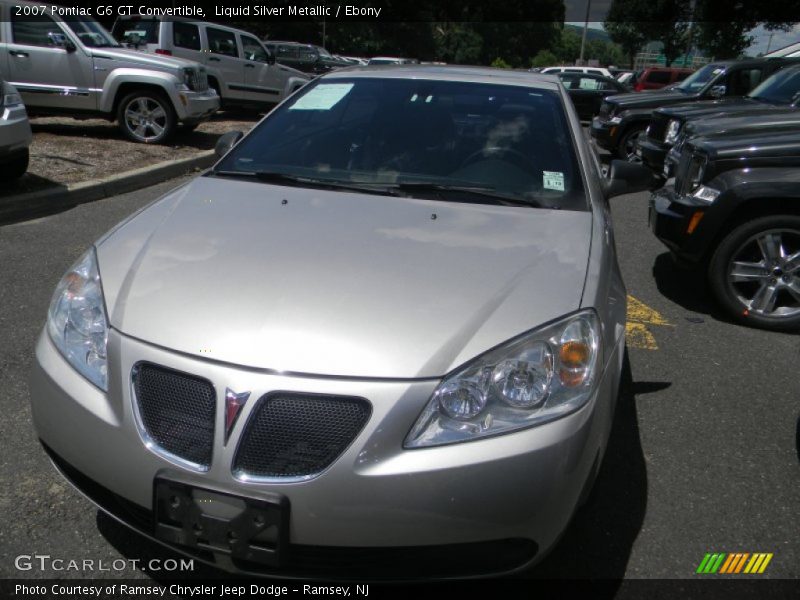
[776, 118]
[695, 110]
[645, 100]
[338, 283]
[742, 145]
[152, 61]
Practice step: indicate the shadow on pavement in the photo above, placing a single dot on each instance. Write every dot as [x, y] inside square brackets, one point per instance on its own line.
[684, 285]
[797, 439]
[598, 542]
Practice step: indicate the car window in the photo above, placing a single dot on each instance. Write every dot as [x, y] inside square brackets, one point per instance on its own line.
[186, 35]
[512, 140]
[34, 30]
[742, 81]
[222, 42]
[782, 87]
[569, 80]
[573, 71]
[590, 83]
[145, 29]
[253, 50]
[681, 75]
[701, 78]
[90, 32]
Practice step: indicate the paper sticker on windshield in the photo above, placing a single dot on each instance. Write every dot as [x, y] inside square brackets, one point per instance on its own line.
[323, 97]
[553, 180]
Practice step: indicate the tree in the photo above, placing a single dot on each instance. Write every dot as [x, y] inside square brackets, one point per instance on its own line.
[729, 39]
[544, 58]
[667, 21]
[457, 43]
[622, 25]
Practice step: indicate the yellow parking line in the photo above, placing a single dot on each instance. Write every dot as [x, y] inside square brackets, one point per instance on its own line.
[640, 316]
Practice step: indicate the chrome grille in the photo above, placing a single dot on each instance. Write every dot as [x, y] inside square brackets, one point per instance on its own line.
[658, 127]
[298, 435]
[176, 413]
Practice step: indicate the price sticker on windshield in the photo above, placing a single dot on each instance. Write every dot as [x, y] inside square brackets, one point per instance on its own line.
[553, 180]
[323, 97]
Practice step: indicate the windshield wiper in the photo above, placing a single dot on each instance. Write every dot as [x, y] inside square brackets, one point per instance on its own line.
[455, 193]
[300, 181]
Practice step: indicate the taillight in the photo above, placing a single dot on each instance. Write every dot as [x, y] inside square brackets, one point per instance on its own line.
[638, 87]
[163, 51]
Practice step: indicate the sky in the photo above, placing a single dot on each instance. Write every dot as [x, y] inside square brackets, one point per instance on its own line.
[760, 44]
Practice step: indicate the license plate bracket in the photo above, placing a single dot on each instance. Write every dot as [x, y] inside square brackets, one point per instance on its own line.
[241, 527]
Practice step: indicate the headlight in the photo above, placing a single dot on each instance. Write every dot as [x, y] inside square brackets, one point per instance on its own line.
[706, 194]
[77, 320]
[697, 170]
[539, 377]
[189, 78]
[615, 120]
[673, 129]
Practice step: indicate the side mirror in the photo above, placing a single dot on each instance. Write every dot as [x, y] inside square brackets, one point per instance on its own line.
[59, 40]
[270, 58]
[226, 142]
[628, 178]
[718, 91]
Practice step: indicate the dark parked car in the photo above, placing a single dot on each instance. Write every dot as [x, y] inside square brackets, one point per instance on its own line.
[587, 91]
[305, 57]
[655, 78]
[624, 118]
[734, 211]
[778, 92]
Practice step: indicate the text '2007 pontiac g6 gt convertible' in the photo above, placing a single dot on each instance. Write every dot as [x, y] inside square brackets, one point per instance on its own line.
[385, 331]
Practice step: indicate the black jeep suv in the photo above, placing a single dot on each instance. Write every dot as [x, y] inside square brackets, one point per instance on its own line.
[734, 210]
[775, 96]
[623, 118]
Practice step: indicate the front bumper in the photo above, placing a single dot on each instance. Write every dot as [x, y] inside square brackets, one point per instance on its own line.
[604, 134]
[193, 107]
[670, 217]
[15, 131]
[522, 486]
[653, 153]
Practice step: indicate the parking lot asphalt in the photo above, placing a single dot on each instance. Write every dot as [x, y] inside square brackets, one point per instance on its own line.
[704, 456]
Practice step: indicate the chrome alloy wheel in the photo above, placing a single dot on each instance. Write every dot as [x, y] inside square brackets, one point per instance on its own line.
[146, 119]
[764, 273]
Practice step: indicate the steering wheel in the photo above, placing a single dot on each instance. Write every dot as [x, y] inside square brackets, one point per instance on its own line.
[507, 154]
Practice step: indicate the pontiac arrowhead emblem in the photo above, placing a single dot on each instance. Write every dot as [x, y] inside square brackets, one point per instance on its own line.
[233, 406]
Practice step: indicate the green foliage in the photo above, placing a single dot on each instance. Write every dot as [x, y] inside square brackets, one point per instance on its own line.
[499, 63]
[544, 58]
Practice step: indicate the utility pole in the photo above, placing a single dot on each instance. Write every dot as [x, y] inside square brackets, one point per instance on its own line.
[585, 27]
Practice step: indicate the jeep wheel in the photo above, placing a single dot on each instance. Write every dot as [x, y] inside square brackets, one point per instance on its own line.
[626, 149]
[15, 168]
[755, 272]
[146, 117]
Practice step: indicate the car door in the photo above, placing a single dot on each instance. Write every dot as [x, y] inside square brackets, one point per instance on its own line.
[264, 82]
[46, 74]
[584, 93]
[741, 81]
[222, 56]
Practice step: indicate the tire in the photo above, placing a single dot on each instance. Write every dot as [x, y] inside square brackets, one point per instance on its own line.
[154, 109]
[627, 144]
[15, 168]
[754, 273]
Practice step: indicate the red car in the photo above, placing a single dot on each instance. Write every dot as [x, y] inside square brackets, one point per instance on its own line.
[655, 78]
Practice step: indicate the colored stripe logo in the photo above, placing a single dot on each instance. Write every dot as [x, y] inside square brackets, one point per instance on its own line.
[734, 563]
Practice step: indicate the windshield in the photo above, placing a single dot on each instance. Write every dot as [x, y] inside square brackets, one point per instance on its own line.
[782, 88]
[91, 33]
[420, 134]
[699, 79]
[146, 30]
